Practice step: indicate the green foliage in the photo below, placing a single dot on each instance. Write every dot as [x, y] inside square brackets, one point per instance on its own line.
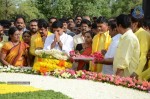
[65, 8]
[7, 8]
[29, 10]
[124, 6]
[49, 94]
[57, 8]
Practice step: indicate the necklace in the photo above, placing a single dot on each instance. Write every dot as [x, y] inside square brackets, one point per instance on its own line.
[14, 44]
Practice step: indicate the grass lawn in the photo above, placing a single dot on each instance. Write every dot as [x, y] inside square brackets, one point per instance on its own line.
[47, 94]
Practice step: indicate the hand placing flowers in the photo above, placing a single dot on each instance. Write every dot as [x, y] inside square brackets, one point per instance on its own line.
[98, 57]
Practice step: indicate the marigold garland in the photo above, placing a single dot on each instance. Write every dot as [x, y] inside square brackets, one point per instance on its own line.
[47, 65]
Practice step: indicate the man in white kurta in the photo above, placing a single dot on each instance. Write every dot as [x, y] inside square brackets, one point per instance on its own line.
[59, 40]
[66, 40]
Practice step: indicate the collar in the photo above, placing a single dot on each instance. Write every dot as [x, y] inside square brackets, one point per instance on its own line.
[63, 34]
[126, 33]
[139, 30]
[116, 37]
[105, 33]
[49, 33]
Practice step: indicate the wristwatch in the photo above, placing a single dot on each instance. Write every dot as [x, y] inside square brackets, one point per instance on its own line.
[59, 41]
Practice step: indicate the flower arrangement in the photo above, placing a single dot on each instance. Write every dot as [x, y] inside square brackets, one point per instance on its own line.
[53, 53]
[95, 56]
[14, 69]
[86, 75]
[98, 56]
[44, 65]
[116, 80]
[49, 60]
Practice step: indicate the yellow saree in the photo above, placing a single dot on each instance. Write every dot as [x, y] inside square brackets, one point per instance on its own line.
[100, 42]
[15, 55]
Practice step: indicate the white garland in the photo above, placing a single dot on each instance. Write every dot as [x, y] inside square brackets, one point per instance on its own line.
[14, 69]
[53, 52]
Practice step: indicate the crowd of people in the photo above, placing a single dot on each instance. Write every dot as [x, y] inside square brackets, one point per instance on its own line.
[124, 41]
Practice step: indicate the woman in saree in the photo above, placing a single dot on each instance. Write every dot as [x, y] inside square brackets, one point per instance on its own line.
[26, 36]
[85, 49]
[14, 52]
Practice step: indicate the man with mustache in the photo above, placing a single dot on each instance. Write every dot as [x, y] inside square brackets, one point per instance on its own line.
[78, 20]
[33, 26]
[38, 40]
[85, 26]
[101, 41]
[20, 25]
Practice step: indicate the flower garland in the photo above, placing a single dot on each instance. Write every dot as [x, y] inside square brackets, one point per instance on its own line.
[116, 80]
[53, 53]
[49, 60]
[45, 65]
[86, 75]
[13, 69]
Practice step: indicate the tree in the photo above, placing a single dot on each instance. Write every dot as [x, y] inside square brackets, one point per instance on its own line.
[91, 7]
[68, 8]
[28, 10]
[7, 7]
[57, 8]
[124, 6]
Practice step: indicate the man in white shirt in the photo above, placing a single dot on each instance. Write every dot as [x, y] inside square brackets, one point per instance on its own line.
[59, 40]
[85, 26]
[108, 58]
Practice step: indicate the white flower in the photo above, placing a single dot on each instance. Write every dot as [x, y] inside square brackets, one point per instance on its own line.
[1, 67]
[53, 52]
[39, 52]
[49, 52]
[8, 69]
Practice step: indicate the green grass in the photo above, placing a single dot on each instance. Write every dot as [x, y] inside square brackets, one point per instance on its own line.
[49, 94]
[2, 82]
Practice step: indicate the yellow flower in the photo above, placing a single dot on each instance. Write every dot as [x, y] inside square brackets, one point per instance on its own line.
[7, 88]
[51, 64]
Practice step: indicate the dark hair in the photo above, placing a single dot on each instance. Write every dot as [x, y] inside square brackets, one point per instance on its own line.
[94, 18]
[12, 20]
[102, 19]
[78, 16]
[28, 32]
[123, 20]
[42, 23]
[146, 23]
[11, 31]
[52, 18]
[139, 20]
[112, 23]
[57, 24]
[5, 23]
[34, 20]
[1, 24]
[20, 17]
[63, 20]
[91, 33]
[85, 21]
[70, 19]
[94, 26]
